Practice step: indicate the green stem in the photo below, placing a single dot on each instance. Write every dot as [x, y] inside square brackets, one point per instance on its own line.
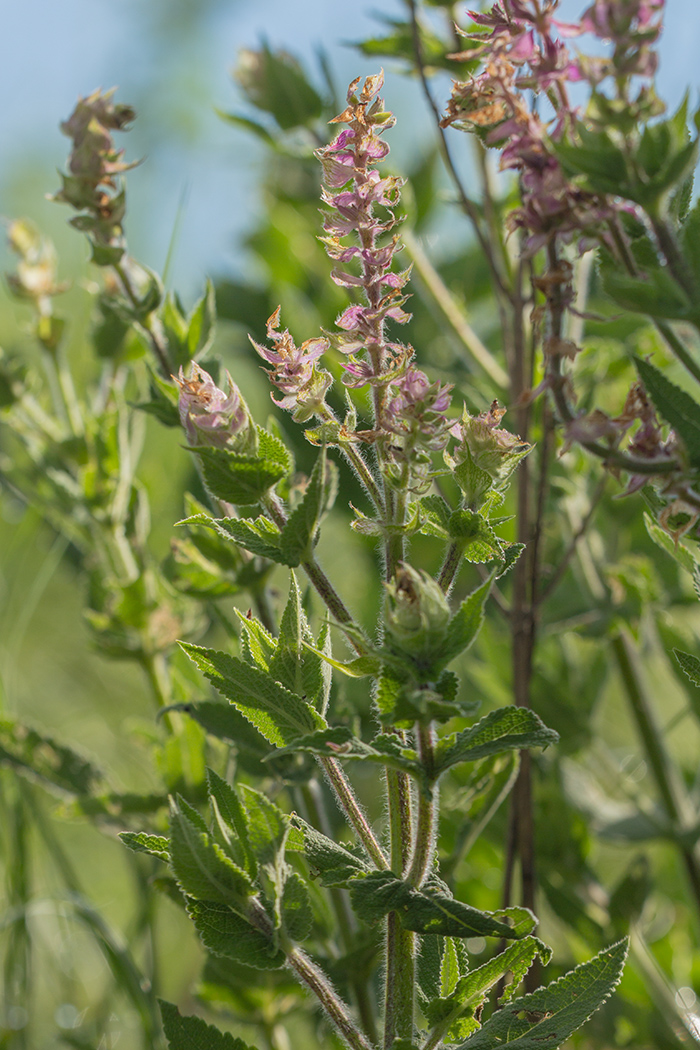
[157, 343]
[352, 808]
[451, 564]
[660, 763]
[400, 943]
[427, 809]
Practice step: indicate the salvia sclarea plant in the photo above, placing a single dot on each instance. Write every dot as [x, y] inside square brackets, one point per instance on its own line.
[359, 916]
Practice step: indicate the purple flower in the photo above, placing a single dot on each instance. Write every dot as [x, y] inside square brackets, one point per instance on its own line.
[211, 417]
[294, 370]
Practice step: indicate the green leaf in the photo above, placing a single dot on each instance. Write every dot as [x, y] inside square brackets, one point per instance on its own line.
[465, 624]
[507, 729]
[201, 867]
[235, 478]
[275, 82]
[399, 44]
[597, 158]
[470, 991]
[279, 715]
[192, 1033]
[360, 667]
[546, 1018]
[230, 817]
[339, 742]
[201, 323]
[295, 663]
[224, 932]
[689, 664]
[267, 826]
[254, 126]
[423, 911]
[296, 908]
[142, 842]
[335, 864]
[40, 757]
[257, 535]
[273, 449]
[690, 241]
[678, 552]
[675, 406]
[300, 534]
[656, 295]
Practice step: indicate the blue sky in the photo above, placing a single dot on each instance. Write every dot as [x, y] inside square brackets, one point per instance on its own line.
[177, 72]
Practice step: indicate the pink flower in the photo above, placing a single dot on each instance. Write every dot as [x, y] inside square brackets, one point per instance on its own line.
[211, 417]
[294, 370]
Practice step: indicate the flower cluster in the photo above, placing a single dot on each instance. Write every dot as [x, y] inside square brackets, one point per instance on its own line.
[520, 54]
[417, 415]
[350, 159]
[490, 448]
[212, 417]
[91, 185]
[294, 371]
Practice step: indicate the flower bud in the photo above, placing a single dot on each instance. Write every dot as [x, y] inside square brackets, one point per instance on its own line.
[417, 612]
[211, 417]
[493, 450]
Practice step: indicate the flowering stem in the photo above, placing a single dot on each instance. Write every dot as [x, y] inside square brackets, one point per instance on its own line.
[357, 462]
[400, 943]
[450, 566]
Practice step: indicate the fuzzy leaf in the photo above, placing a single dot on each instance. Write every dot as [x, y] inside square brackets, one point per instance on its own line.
[279, 715]
[677, 551]
[300, 534]
[689, 664]
[339, 742]
[201, 867]
[296, 908]
[675, 406]
[335, 864]
[224, 932]
[465, 624]
[267, 825]
[238, 479]
[426, 911]
[295, 664]
[142, 842]
[257, 535]
[507, 729]
[231, 817]
[546, 1018]
[192, 1033]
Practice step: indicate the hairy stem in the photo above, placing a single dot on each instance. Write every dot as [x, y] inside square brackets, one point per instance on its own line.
[427, 810]
[352, 808]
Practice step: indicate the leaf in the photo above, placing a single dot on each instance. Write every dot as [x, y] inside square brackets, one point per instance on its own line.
[465, 624]
[546, 1018]
[675, 406]
[272, 448]
[507, 729]
[296, 908]
[142, 842]
[275, 82]
[656, 295]
[300, 534]
[677, 551]
[360, 667]
[224, 932]
[295, 664]
[192, 1033]
[423, 911]
[267, 825]
[201, 323]
[43, 759]
[235, 478]
[259, 535]
[470, 991]
[201, 867]
[689, 664]
[339, 742]
[230, 816]
[279, 715]
[335, 864]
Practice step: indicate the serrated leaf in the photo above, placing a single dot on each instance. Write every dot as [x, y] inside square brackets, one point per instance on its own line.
[143, 842]
[677, 551]
[689, 664]
[295, 908]
[42, 758]
[465, 624]
[657, 295]
[224, 932]
[279, 715]
[231, 818]
[235, 478]
[507, 729]
[201, 323]
[201, 867]
[335, 864]
[193, 1033]
[267, 825]
[547, 1017]
[259, 535]
[675, 406]
[360, 667]
[469, 992]
[295, 663]
[300, 534]
[422, 911]
[339, 742]
[273, 449]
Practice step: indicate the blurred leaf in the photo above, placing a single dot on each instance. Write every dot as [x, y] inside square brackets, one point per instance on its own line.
[41, 758]
[675, 406]
[275, 82]
[192, 1033]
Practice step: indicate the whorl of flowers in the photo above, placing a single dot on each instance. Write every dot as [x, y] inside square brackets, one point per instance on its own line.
[417, 414]
[521, 53]
[91, 186]
[212, 417]
[348, 167]
[490, 447]
[294, 370]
